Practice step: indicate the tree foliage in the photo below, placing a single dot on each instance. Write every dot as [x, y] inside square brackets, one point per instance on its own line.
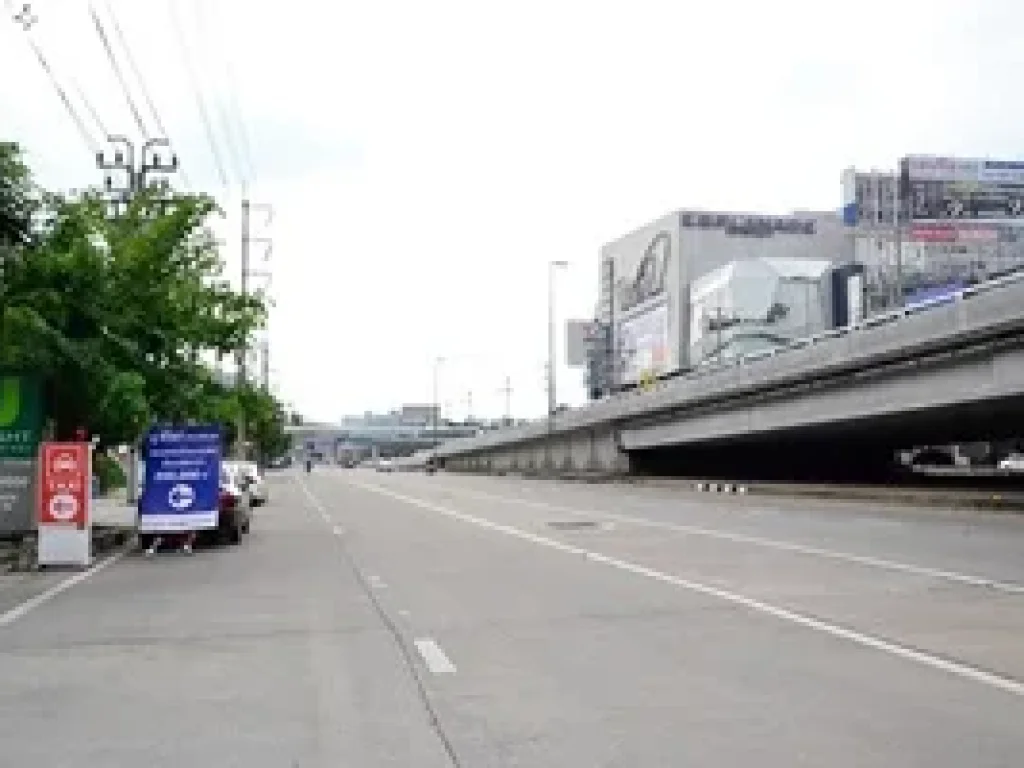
[124, 315]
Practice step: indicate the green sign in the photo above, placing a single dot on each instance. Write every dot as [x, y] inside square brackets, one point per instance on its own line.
[21, 415]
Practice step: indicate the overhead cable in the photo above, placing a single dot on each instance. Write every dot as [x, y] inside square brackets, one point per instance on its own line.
[117, 71]
[123, 40]
[198, 93]
[26, 20]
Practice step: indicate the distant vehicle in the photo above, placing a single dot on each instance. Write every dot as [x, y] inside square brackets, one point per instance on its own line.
[1013, 463]
[933, 457]
[235, 506]
[281, 462]
[385, 465]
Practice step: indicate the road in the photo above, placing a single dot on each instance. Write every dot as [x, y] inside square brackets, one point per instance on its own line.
[405, 620]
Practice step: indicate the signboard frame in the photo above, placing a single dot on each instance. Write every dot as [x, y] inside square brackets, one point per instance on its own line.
[645, 343]
[64, 508]
[955, 189]
[182, 488]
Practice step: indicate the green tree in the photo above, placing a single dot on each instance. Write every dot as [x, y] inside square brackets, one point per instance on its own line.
[265, 422]
[122, 314]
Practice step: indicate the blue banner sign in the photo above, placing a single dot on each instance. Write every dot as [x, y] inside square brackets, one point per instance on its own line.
[934, 294]
[182, 489]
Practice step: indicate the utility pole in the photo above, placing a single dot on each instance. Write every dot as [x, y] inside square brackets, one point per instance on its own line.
[507, 391]
[552, 395]
[435, 406]
[155, 157]
[266, 365]
[247, 272]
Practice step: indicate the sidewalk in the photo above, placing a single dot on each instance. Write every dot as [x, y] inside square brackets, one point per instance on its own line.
[113, 524]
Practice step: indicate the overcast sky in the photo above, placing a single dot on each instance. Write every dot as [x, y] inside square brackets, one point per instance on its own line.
[427, 159]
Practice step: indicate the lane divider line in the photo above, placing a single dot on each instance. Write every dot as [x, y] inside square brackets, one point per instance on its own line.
[11, 615]
[761, 541]
[888, 647]
[435, 658]
[406, 649]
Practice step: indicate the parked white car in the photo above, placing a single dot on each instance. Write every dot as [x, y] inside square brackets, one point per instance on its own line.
[1013, 463]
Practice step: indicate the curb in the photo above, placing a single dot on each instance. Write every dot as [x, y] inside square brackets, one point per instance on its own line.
[908, 496]
[23, 556]
[720, 488]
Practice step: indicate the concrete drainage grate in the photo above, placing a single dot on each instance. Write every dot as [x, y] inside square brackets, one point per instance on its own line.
[573, 525]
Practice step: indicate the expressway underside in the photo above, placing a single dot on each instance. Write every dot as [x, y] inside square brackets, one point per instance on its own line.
[857, 451]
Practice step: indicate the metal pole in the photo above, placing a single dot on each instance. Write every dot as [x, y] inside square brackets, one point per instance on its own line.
[551, 339]
[435, 406]
[266, 364]
[552, 393]
[240, 379]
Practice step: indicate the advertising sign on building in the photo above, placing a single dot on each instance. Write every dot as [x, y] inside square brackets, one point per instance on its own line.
[65, 480]
[951, 233]
[966, 189]
[182, 487]
[578, 338]
[739, 225]
[21, 415]
[640, 285]
[21, 421]
[644, 344]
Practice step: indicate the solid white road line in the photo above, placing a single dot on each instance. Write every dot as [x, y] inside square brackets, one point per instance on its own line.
[760, 541]
[13, 614]
[435, 659]
[959, 669]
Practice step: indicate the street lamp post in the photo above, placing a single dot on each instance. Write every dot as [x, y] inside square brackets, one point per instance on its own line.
[435, 406]
[552, 394]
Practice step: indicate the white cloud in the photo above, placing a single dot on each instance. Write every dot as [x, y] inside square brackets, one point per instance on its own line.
[426, 160]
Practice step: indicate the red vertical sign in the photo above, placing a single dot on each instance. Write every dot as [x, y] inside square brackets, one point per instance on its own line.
[64, 484]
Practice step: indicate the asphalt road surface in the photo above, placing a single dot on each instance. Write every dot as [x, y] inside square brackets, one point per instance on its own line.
[405, 620]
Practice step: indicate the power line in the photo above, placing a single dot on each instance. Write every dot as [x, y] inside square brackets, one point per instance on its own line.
[225, 118]
[135, 70]
[117, 70]
[197, 91]
[243, 132]
[27, 19]
[90, 108]
[79, 123]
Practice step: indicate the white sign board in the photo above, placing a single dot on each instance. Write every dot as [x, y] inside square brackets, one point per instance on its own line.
[577, 342]
[644, 344]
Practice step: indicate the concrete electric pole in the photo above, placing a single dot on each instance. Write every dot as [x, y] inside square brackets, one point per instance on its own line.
[155, 157]
[247, 272]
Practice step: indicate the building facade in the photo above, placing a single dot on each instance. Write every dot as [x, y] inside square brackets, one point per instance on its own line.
[934, 225]
[646, 277]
